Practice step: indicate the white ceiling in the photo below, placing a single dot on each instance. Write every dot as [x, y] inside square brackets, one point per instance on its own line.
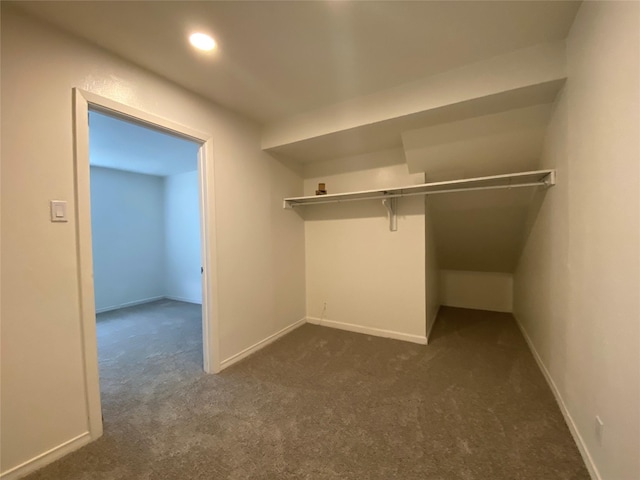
[122, 145]
[278, 59]
[465, 88]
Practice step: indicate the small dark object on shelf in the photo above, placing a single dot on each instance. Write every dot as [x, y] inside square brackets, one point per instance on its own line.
[322, 189]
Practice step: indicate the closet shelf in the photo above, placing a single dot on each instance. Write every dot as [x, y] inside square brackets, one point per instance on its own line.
[538, 178]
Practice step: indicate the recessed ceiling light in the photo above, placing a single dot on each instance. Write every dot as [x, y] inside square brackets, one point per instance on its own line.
[202, 41]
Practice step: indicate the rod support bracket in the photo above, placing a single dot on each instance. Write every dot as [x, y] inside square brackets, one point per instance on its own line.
[550, 179]
[391, 205]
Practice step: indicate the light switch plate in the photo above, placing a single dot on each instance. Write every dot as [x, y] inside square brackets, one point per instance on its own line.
[59, 211]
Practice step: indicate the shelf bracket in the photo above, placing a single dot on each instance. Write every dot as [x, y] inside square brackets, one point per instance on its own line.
[391, 205]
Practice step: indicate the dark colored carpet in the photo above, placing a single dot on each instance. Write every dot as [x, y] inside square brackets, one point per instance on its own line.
[323, 404]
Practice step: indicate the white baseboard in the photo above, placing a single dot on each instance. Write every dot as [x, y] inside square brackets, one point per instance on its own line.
[46, 458]
[486, 308]
[377, 332]
[584, 451]
[261, 344]
[129, 304]
[183, 299]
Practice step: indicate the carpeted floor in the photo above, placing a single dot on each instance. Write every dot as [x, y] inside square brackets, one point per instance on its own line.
[322, 404]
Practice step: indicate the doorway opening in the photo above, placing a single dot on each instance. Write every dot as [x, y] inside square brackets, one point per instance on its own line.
[147, 289]
[145, 225]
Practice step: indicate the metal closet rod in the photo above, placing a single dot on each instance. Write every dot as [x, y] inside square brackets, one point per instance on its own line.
[546, 179]
[413, 194]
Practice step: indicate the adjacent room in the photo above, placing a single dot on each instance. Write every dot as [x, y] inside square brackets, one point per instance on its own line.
[324, 240]
[145, 226]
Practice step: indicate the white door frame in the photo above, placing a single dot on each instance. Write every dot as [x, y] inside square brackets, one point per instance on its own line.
[84, 100]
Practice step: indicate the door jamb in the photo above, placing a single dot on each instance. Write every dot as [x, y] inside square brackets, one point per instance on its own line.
[83, 101]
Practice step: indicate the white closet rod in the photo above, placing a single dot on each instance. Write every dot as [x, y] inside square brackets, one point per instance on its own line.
[545, 178]
[413, 194]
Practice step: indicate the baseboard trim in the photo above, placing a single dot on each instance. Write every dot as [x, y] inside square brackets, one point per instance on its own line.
[183, 299]
[584, 451]
[485, 308]
[260, 345]
[377, 332]
[129, 304]
[47, 457]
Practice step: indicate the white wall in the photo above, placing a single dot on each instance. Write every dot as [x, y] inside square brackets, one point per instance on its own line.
[372, 280]
[259, 246]
[183, 280]
[432, 273]
[576, 285]
[146, 237]
[127, 227]
[480, 290]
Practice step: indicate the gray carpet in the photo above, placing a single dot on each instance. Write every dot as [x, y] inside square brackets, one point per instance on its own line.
[322, 404]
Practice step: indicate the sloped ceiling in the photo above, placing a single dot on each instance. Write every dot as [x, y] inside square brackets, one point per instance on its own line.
[465, 88]
[480, 231]
[520, 79]
[484, 119]
[456, 126]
